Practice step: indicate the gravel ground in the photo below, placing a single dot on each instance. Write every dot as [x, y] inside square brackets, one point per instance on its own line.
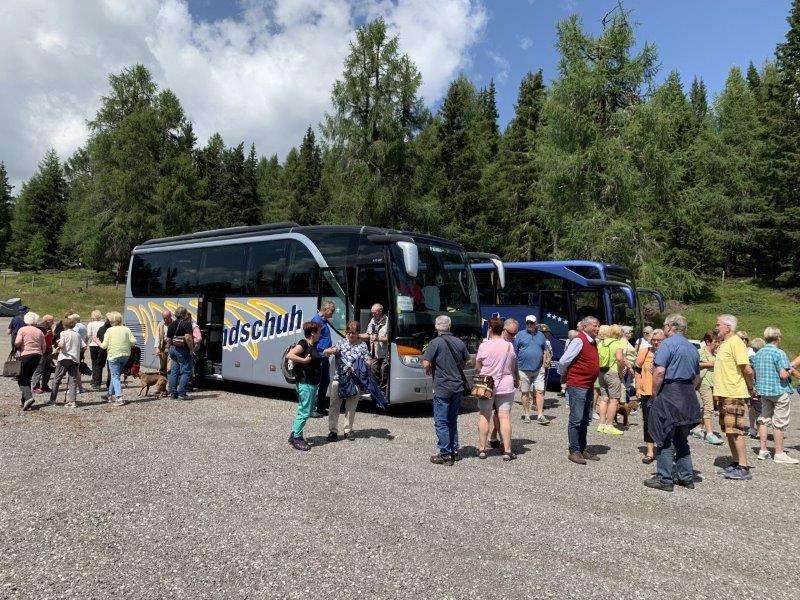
[206, 499]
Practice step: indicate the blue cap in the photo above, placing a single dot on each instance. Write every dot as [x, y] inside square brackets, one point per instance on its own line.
[23, 308]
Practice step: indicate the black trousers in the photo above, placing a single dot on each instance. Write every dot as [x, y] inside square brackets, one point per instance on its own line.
[26, 370]
[645, 404]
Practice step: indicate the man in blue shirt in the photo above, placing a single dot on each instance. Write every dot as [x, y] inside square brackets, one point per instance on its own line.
[674, 410]
[326, 310]
[533, 360]
[772, 385]
[17, 323]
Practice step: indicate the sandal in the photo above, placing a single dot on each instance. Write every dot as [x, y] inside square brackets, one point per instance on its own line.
[507, 456]
[482, 454]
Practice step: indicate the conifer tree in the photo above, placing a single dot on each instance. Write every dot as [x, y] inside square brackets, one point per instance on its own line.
[5, 210]
[698, 97]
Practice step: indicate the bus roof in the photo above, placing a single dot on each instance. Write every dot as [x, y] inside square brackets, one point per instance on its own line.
[565, 269]
[287, 227]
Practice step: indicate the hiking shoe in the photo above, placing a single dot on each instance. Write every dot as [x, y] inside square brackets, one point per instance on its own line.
[542, 420]
[738, 474]
[577, 458]
[611, 430]
[689, 484]
[713, 439]
[657, 484]
[698, 433]
[349, 435]
[785, 459]
[731, 467]
[752, 432]
[494, 443]
[525, 418]
[105, 397]
[333, 436]
[589, 456]
[119, 402]
[299, 444]
[442, 459]
[456, 456]
[601, 428]
[764, 455]
[28, 403]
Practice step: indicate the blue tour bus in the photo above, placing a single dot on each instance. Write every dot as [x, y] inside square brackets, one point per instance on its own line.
[561, 293]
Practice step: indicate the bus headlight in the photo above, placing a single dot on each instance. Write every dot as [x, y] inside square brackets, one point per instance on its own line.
[410, 357]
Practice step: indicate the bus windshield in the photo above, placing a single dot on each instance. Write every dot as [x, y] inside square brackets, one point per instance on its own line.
[444, 285]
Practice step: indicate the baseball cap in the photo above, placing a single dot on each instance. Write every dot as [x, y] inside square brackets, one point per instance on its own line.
[23, 308]
[530, 319]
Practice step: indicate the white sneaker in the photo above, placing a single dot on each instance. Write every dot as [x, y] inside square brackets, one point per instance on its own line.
[764, 455]
[785, 459]
[595, 416]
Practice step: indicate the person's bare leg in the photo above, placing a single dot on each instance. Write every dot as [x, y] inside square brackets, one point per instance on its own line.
[539, 403]
[762, 436]
[526, 403]
[732, 445]
[651, 450]
[777, 434]
[602, 407]
[751, 413]
[707, 426]
[483, 429]
[611, 411]
[505, 429]
[741, 450]
[495, 426]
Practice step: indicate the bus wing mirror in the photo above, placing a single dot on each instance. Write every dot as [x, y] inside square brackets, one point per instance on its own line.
[407, 247]
[658, 296]
[630, 295]
[495, 260]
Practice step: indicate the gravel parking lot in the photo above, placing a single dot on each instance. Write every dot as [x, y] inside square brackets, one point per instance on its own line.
[206, 499]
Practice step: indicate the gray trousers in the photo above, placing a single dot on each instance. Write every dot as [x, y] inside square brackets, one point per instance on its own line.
[69, 368]
[41, 376]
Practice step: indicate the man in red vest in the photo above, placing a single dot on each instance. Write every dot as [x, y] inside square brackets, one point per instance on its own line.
[579, 367]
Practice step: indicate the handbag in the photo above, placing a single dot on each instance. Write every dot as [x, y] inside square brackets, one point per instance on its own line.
[483, 386]
[12, 366]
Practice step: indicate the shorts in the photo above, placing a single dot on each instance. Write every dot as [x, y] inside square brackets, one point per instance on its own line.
[502, 402]
[706, 400]
[733, 415]
[531, 380]
[610, 384]
[775, 411]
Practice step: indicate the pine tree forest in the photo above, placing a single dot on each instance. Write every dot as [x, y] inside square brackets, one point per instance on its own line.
[600, 163]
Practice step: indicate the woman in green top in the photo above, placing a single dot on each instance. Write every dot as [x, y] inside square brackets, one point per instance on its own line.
[117, 341]
[706, 389]
[612, 374]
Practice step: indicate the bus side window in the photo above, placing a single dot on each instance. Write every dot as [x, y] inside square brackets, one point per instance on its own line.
[589, 303]
[265, 275]
[148, 274]
[223, 269]
[182, 274]
[486, 286]
[302, 274]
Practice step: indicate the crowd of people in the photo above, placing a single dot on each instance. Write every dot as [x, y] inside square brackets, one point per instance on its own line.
[676, 386]
[44, 347]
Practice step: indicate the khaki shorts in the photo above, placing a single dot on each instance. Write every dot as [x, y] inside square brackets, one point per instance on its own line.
[610, 384]
[502, 402]
[733, 415]
[530, 381]
[707, 400]
[775, 411]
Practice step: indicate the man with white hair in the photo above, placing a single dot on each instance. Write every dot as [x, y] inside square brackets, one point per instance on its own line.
[674, 409]
[378, 337]
[444, 359]
[161, 349]
[733, 385]
[772, 384]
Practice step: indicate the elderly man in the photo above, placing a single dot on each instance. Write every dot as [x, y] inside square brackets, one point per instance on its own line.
[579, 366]
[533, 359]
[772, 384]
[733, 386]
[674, 410]
[377, 335]
[326, 310]
[17, 323]
[444, 359]
[161, 349]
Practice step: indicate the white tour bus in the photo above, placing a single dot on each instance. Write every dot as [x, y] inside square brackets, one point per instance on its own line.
[250, 289]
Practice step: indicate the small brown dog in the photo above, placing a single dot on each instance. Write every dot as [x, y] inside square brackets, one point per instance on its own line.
[625, 410]
[146, 380]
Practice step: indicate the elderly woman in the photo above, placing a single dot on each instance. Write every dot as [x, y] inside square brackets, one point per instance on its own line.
[706, 390]
[496, 358]
[31, 345]
[347, 351]
[92, 333]
[612, 373]
[644, 388]
[117, 342]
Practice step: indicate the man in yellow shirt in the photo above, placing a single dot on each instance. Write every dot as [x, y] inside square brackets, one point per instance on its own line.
[733, 386]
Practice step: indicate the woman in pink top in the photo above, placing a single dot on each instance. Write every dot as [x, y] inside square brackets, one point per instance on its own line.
[496, 357]
[31, 345]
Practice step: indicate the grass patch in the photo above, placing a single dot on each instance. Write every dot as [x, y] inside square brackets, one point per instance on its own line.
[756, 308]
[57, 292]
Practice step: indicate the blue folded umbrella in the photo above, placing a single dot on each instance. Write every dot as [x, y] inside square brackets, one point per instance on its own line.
[365, 379]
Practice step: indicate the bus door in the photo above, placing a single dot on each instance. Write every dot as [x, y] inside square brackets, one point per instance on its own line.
[211, 321]
[372, 287]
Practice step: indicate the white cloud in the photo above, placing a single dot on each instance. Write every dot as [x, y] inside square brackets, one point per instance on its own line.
[261, 76]
[502, 65]
[525, 43]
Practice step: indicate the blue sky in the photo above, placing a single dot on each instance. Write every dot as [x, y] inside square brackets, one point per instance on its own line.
[699, 37]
